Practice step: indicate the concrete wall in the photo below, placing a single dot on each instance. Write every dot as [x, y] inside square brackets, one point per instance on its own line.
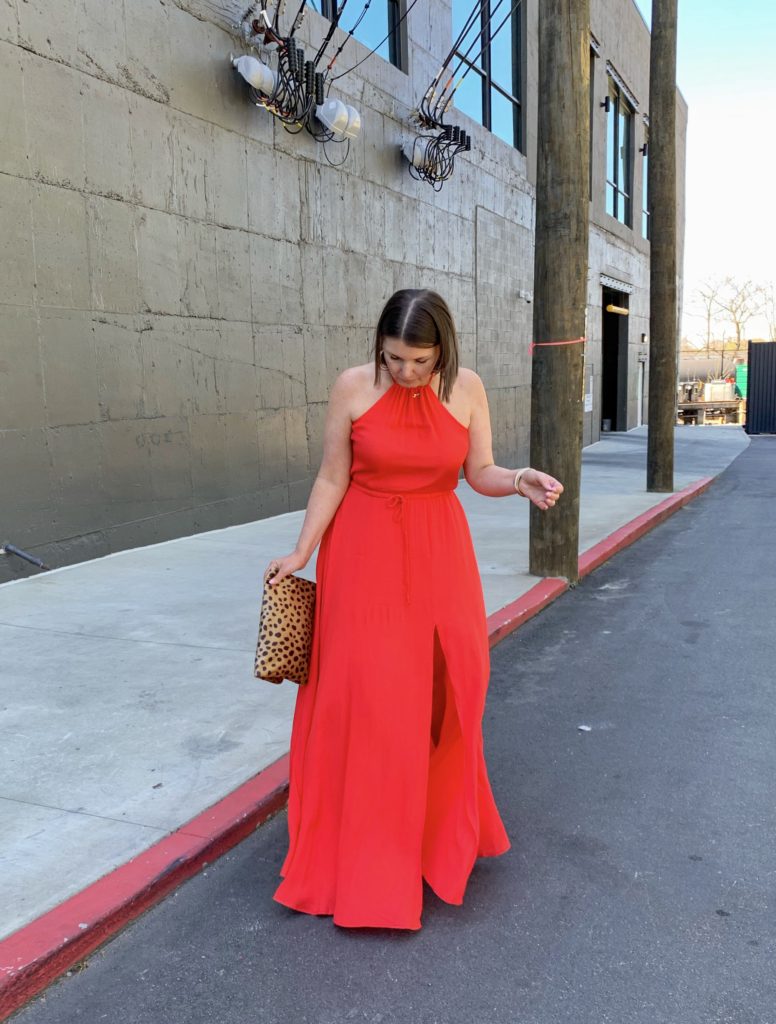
[181, 279]
[618, 252]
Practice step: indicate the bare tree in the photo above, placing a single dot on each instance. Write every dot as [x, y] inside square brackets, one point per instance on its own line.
[738, 304]
[768, 296]
[708, 295]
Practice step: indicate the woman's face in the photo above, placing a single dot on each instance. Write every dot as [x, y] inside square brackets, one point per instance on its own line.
[411, 367]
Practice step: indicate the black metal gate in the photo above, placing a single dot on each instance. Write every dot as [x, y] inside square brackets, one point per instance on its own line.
[761, 388]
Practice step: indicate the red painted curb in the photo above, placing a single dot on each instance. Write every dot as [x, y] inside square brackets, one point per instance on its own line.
[35, 955]
[31, 958]
[507, 619]
[637, 527]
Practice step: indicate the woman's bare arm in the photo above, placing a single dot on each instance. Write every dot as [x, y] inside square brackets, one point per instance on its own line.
[332, 479]
[481, 472]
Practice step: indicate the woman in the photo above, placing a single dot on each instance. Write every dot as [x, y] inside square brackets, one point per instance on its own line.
[388, 780]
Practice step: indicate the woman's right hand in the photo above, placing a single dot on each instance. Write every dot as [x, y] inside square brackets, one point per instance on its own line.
[284, 566]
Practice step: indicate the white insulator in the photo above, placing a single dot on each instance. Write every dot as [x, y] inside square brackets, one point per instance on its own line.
[417, 152]
[334, 115]
[354, 123]
[255, 73]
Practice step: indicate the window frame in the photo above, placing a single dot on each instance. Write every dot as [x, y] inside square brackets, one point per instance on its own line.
[621, 193]
[484, 72]
[594, 55]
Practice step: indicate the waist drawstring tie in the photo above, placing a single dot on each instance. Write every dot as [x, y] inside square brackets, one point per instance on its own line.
[397, 503]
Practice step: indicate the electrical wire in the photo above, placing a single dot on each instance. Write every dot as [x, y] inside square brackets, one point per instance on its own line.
[376, 48]
[473, 15]
[290, 102]
[349, 36]
[296, 24]
[423, 108]
[298, 88]
[492, 36]
[435, 163]
[433, 106]
[337, 163]
[471, 61]
[338, 12]
[432, 157]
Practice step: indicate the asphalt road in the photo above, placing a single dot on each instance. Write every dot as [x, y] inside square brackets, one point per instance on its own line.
[640, 887]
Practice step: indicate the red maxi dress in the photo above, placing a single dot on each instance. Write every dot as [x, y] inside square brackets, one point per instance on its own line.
[388, 784]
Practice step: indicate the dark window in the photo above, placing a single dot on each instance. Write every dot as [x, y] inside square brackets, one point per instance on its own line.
[380, 28]
[490, 92]
[619, 172]
[645, 190]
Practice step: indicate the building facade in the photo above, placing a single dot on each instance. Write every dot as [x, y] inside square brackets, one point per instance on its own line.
[182, 278]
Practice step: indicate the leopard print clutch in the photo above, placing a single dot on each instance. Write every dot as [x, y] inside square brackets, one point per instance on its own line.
[285, 631]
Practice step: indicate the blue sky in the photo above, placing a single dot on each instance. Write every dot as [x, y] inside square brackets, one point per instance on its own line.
[726, 70]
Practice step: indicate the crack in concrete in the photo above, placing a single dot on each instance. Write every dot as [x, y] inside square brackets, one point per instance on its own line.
[124, 639]
[87, 814]
[39, 177]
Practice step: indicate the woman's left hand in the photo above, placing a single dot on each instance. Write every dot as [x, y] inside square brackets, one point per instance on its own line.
[541, 488]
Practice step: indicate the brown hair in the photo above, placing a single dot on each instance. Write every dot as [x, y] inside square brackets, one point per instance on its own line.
[421, 318]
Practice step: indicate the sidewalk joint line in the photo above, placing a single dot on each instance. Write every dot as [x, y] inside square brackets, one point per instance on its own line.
[87, 814]
[127, 639]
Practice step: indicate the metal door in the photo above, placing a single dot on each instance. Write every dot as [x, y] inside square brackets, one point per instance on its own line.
[761, 388]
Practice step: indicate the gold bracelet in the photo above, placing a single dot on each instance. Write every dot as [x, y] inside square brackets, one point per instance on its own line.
[518, 478]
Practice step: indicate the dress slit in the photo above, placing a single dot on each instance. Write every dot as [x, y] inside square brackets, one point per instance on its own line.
[439, 697]
[450, 829]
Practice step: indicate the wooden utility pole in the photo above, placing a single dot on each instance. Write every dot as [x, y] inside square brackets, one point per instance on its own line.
[560, 277]
[663, 309]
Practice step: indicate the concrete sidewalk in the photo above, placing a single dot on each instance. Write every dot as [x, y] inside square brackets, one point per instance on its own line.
[128, 703]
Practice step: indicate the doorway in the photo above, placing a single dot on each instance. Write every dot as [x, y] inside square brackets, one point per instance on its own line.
[614, 361]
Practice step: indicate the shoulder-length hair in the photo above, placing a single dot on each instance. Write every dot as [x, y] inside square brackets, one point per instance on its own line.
[421, 318]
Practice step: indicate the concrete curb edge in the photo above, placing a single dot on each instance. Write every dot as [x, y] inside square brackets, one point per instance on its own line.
[32, 957]
[642, 524]
[35, 955]
[507, 619]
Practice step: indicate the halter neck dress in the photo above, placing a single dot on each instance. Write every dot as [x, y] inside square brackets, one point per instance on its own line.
[388, 784]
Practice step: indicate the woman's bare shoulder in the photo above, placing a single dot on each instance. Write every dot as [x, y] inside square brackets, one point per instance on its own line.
[357, 375]
[354, 381]
[469, 381]
[355, 389]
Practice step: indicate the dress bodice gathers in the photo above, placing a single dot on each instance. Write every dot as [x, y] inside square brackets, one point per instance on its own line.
[407, 441]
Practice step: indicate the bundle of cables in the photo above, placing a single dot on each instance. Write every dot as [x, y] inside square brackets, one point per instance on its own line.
[431, 157]
[283, 82]
[292, 87]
